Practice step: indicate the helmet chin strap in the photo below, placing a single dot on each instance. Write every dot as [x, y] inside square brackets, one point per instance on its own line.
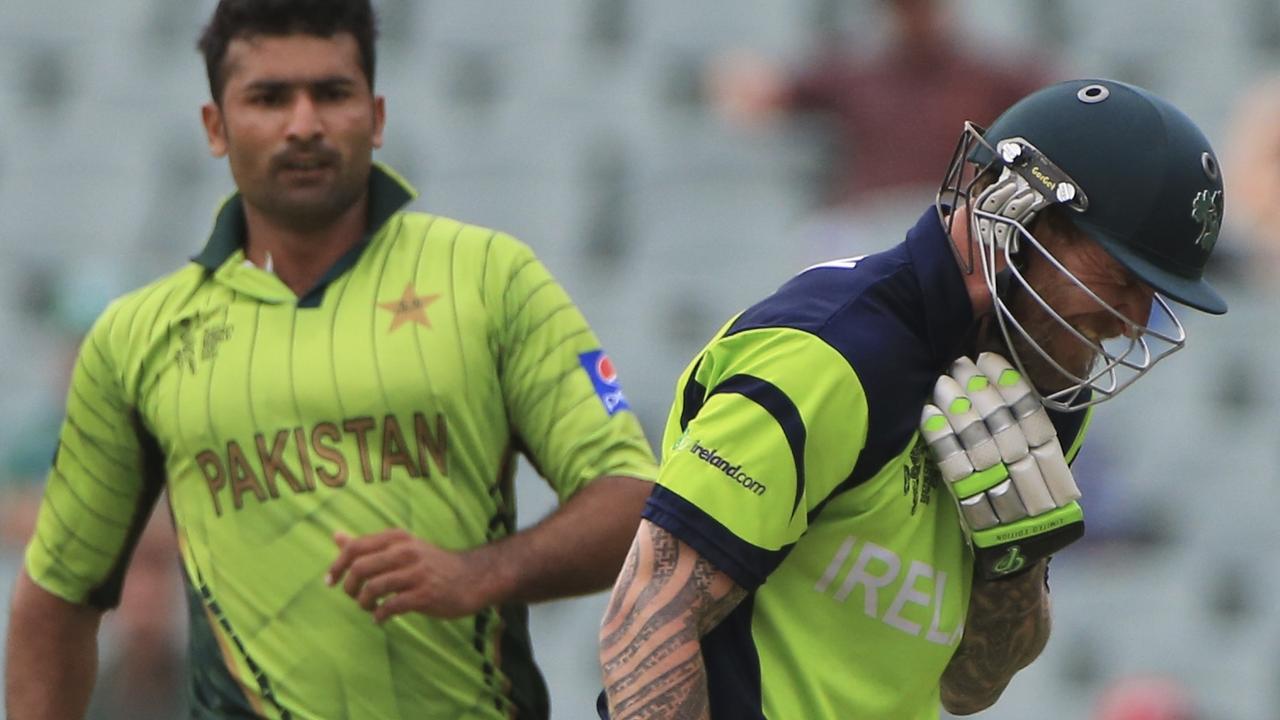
[1012, 197]
[1028, 183]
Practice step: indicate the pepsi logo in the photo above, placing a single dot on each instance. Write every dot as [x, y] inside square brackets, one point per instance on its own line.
[605, 370]
[604, 380]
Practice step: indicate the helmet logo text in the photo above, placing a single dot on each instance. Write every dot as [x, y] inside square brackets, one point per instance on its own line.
[1043, 177]
[1206, 209]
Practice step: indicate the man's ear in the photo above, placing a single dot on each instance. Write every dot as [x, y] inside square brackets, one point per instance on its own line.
[215, 129]
[379, 119]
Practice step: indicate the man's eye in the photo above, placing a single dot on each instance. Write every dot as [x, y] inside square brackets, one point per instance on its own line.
[332, 93]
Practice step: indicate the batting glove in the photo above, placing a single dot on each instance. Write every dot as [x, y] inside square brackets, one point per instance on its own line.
[999, 455]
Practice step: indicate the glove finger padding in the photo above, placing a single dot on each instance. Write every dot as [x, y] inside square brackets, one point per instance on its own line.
[952, 460]
[957, 468]
[1036, 427]
[1029, 480]
[1016, 393]
[999, 419]
[998, 454]
[958, 408]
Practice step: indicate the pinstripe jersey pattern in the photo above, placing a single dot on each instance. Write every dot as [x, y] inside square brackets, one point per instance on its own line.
[395, 394]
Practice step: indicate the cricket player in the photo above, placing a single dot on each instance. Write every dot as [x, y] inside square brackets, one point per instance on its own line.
[866, 472]
[333, 393]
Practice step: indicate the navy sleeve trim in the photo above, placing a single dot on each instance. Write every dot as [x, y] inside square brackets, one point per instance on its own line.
[776, 403]
[747, 564]
[692, 398]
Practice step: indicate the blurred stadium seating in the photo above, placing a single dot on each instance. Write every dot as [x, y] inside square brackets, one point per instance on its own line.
[581, 127]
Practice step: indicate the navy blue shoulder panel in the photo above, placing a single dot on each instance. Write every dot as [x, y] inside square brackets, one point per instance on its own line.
[873, 313]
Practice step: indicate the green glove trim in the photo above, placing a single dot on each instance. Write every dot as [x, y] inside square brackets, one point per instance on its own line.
[1029, 527]
[980, 481]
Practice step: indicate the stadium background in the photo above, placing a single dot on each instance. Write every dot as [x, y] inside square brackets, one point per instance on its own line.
[583, 127]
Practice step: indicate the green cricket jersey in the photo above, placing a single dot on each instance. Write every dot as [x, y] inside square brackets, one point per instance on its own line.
[396, 394]
[794, 465]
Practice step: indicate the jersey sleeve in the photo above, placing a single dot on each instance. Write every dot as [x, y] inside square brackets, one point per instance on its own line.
[766, 424]
[561, 391]
[102, 486]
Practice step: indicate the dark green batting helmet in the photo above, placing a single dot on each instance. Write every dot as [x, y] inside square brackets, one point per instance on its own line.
[1145, 183]
[1132, 172]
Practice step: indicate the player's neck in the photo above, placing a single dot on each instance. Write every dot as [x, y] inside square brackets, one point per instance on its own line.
[975, 284]
[979, 295]
[301, 257]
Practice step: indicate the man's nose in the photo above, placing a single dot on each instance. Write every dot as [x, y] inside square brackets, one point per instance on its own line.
[304, 120]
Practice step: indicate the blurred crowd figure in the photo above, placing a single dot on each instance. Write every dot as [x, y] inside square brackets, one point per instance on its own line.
[1252, 166]
[1145, 698]
[894, 116]
[142, 676]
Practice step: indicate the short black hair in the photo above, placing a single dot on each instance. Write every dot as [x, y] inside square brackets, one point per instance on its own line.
[248, 18]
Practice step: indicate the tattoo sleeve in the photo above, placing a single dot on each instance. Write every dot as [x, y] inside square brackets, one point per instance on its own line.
[1006, 628]
[665, 600]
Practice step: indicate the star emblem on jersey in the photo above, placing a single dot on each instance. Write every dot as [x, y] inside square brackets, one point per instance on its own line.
[409, 307]
[1206, 209]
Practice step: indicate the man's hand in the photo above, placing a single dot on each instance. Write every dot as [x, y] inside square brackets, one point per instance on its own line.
[394, 572]
[1000, 458]
[577, 549]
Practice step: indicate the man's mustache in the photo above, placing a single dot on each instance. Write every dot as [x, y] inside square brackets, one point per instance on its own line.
[305, 155]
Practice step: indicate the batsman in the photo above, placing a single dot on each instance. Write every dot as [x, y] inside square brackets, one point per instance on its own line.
[911, 417]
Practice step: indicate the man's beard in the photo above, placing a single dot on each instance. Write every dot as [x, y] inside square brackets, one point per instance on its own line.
[314, 208]
[313, 214]
[1051, 337]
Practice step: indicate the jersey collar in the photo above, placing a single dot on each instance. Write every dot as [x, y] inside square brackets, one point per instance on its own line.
[948, 310]
[388, 193]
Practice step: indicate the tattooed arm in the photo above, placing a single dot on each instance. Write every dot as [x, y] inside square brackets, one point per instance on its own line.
[665, 600]
[1006, 628]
